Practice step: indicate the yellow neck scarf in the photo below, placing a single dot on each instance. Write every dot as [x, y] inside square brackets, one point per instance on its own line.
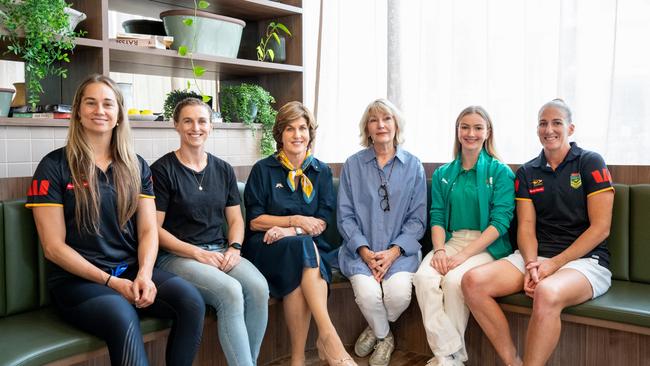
[307, 187]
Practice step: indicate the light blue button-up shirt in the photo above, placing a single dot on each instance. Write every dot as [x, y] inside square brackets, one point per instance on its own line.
[361, 219]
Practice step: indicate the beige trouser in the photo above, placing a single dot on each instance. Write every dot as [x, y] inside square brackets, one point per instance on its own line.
[441, 300]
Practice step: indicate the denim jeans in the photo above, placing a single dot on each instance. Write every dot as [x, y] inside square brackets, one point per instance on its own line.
[240, 298]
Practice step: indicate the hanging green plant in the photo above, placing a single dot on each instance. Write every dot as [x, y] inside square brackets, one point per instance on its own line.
[184, 51]
[38, 32]
[272, 31]
[250, 104]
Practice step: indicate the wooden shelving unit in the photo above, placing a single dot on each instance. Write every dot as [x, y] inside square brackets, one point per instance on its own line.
[96, 53]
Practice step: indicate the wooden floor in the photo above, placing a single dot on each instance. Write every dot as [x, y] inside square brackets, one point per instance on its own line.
[399, 358]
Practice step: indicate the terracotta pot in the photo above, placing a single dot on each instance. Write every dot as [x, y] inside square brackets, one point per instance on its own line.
[20, 97]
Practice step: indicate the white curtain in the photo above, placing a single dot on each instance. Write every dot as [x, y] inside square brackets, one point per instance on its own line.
[509, 56]
[352, 71]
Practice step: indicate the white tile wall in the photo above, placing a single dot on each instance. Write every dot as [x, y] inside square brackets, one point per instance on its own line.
[21, 148]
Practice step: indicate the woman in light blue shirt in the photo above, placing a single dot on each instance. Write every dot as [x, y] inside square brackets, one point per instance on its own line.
[381, 216]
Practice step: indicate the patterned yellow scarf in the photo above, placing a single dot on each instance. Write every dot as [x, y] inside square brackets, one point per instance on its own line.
[307, 187]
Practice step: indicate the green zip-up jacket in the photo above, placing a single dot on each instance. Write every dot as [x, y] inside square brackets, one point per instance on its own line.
[496, 198]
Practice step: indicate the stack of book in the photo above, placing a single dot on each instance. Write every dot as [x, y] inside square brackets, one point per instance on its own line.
[144, 40]
[53, 111]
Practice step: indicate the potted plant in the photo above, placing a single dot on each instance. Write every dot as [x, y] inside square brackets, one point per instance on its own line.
[250, 104]
[40, 33]
[176, 96]
[276, 51]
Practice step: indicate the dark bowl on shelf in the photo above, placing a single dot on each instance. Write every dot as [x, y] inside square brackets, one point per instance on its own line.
[144, 26]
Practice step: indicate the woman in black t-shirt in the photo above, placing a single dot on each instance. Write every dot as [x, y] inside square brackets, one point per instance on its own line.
[196, 195]
[93, 207]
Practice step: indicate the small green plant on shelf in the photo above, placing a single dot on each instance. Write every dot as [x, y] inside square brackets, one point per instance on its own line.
[38, 32]
[272, 31]
[250, 104]
[184, 51]
[176, 96]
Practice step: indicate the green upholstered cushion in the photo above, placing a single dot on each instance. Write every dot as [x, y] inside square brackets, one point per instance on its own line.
[618, 241]
[21, 258]
[625, 302]
[640, 233]
[40, 336]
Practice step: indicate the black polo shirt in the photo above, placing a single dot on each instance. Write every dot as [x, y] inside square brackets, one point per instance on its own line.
[560, 199]
[52, 186]
[192, 215]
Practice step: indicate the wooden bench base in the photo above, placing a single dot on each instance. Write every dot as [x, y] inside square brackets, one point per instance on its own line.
[584, 341]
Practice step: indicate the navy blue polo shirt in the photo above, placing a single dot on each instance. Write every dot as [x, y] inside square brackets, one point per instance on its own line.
[52, 186]
[267, 193]
[560, 199]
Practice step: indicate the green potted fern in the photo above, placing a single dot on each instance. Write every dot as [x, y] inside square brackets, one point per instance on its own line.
[250, 104]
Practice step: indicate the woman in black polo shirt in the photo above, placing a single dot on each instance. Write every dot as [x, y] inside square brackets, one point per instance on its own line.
[93, 205]
[196, 194]
[564, 211]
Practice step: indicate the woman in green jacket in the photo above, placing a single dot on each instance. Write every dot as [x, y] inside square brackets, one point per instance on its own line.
[471, 209]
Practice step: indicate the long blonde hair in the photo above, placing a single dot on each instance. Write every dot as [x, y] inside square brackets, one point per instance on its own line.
[80, 157]
[488, 145]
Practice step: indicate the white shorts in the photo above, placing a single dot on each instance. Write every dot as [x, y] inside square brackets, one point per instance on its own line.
[598, 276]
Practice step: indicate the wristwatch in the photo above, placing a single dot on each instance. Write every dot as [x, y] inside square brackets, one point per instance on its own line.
[235, 245]
[299, 231]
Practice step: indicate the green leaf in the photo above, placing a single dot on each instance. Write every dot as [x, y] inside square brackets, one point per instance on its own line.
[277, 39]
[188, 85]
[182, 50]
[198, 71]
[203, 4]
[284, 29]
[271, 54]
[205, 98]
[260, 54]
[188, 21]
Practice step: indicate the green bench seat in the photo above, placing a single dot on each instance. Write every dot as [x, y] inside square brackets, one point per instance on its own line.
[31, 333]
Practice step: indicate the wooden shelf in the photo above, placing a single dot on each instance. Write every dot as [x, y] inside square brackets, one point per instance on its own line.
[248, 10]
[124, 58]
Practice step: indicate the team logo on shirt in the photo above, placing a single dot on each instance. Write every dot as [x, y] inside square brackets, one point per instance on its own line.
[38, 189]
[279, 185]
[537, 186]
[575, 180]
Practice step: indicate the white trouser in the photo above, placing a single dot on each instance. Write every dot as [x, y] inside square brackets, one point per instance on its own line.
[382, 303]
[441, 300]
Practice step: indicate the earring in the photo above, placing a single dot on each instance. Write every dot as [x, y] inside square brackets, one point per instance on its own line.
[117, 124]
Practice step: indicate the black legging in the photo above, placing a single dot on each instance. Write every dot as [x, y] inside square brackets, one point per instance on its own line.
[103, 312]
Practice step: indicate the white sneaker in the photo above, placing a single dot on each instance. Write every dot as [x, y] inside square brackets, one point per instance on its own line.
[383, 350]
[365, 343]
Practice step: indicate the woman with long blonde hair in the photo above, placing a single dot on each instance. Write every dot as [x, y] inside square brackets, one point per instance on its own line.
[95, 216]
[472, 202]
